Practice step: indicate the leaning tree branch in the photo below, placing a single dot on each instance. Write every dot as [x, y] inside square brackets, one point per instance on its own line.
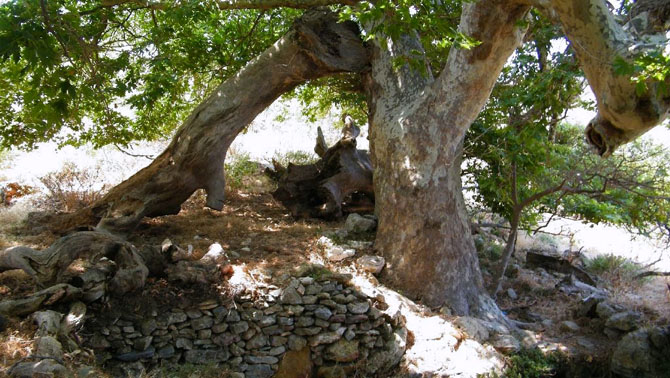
[598, 40]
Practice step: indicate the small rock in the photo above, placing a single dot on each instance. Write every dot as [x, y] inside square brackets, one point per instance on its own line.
[337, 253]
[357, 224]
[261, 360]
[48, 346]
[202, 323]
[605, 310]
[142, 343]
[323, 313]
[148, 326]
[258, 342]
[473, 327]
[296, 342]
[290, 296]
[506, 344]
[371, 264]
[258, 371]
[325, 338]
[239, 327]
[342, 351]
[569, 326]
[623, 321]
[165, 352]
[512, 294]
[358, 307]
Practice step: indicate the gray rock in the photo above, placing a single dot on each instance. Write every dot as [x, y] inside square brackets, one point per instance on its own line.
[276, 351]
[258, 342]
[371, 264]
[148, 326]
[358, 307]
[98, 342]
[342, 351]
[176, 317]
[604, 310]
[308, 331]
[512, 294]
[473, 327]
[313, 289]
[202, 323]
[296, 342]
[357, 224]
[142, 343]
[165, 352]
[43, 368]
[273, 330]
[636, 356]
[220, 313]
[278, 340]
[184, 343]
[261, 359]
[323, 313]
[290, 296]
[207, 356]
[506, 343]
[569, 326]
[233, 316]
[337, 253]
[220, 328]
[267, 321]
[258, 371]
[623, 321]
[48, 346]
[239, 327]
[325, 338]
[193, 313]
[390, 355]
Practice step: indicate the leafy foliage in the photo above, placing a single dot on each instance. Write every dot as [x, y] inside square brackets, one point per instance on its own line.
[78, 71]
[532, 363]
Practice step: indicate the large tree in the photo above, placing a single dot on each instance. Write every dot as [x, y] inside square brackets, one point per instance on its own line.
[418, 118]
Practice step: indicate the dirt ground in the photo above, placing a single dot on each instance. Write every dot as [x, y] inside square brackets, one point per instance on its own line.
[258, 233]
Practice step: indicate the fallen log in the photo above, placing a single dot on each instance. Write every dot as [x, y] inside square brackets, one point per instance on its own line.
[340, 182]
[536, 259]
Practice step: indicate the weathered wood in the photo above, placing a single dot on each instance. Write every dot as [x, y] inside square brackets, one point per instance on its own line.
[318, 45]
[537, 259]
[341, 178]
[32, 303]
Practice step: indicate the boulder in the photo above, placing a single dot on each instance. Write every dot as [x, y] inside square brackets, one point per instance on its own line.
[371, 264]
[358, 224]
[473, 327]
[342, 351]
[638, 356]
[623, 321]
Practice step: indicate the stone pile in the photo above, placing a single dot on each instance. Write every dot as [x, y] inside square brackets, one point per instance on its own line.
[339, 325]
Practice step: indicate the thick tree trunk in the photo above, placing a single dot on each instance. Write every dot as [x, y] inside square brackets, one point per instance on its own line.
[316, 46]
[417, 128]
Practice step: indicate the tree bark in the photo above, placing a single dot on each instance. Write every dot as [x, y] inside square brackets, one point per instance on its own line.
[417, 128]
[316, 46]
[623, 113]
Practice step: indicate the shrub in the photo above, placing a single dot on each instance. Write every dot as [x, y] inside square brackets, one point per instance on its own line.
[295, 157]
[72, 188]
[532, 363]
[611, 264]
[239, 167]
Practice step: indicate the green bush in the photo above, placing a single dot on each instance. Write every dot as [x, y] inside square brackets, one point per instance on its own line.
[239, 167]
[295, 157]
[611, 264]
[532, 363]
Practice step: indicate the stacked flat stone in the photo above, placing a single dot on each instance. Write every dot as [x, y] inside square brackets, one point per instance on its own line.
[339, 324]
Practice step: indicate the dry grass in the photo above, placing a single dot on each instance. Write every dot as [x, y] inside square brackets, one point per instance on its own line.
[16, 343]
[72, 188]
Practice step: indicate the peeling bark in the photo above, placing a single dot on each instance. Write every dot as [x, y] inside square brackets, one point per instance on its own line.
[316, 46]
[623, 113]
[417, 128]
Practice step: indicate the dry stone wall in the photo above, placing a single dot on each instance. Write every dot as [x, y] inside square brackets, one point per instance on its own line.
[249, 335]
